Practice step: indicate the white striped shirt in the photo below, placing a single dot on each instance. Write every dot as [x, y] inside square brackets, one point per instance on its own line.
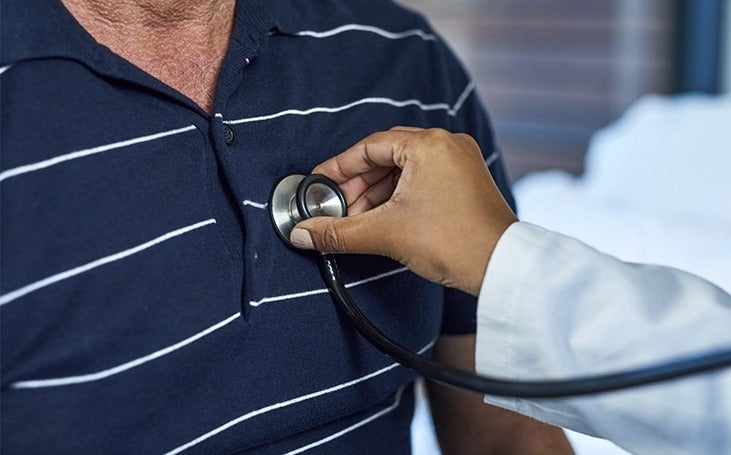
[146, 303]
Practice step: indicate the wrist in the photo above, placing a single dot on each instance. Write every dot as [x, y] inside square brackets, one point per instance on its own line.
[481, 255]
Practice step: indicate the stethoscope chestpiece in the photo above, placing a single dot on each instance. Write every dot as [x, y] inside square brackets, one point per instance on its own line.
[298, 197]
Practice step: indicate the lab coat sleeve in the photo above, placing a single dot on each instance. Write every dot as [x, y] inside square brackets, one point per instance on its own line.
[551, 307]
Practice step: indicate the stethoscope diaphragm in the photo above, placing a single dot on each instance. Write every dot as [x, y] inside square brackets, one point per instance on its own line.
[297, 197]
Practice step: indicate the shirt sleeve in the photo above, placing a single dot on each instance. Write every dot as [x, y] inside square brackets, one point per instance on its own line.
[551, 307]
[471, 117]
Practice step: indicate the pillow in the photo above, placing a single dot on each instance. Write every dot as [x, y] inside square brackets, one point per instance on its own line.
[669, 154]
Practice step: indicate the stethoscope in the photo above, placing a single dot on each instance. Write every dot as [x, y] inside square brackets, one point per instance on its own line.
[298, 197]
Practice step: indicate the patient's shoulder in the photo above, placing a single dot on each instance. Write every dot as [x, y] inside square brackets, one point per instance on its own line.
[379, 13]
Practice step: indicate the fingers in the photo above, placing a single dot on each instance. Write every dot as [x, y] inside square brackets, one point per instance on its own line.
[422, 197]
[376, 194]
[407, 128]
[382, 149]
[361, 169]
[355, 187]
[352, 234]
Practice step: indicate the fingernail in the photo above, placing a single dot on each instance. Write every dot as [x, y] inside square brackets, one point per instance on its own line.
[301, 238]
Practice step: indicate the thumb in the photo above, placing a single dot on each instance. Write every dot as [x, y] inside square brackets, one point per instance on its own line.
[351, 234]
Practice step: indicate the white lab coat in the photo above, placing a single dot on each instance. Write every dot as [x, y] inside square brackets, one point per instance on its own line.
[552, 307]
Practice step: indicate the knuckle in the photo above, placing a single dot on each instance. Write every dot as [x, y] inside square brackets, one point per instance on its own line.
[332, 240]
[467, 139]
[438, 134]
[470, 143]
[437, 140]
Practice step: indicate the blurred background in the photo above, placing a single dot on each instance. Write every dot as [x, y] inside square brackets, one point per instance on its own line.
[614, 119]
[551, 72]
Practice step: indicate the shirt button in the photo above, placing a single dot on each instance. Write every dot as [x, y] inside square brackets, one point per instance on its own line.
[228, 134]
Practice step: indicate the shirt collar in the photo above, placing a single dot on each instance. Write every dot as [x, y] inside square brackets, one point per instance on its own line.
[33, 29]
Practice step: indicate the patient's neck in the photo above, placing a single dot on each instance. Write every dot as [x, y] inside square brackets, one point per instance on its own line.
[180, 42]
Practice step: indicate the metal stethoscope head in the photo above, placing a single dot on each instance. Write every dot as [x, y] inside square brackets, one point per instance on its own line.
[298, 197]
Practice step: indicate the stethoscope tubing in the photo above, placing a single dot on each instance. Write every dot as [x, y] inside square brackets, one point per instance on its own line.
[445, 374]
[290, 195]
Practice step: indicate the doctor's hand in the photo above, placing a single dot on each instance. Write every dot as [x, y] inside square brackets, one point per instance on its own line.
[422, 197]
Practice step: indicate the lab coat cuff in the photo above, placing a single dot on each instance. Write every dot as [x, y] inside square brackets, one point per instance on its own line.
[499, 321]
[503, 318]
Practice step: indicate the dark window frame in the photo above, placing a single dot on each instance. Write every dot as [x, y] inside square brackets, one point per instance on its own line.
[699, 46]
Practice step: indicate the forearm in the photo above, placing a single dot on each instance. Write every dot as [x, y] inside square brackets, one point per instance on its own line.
[466, 425]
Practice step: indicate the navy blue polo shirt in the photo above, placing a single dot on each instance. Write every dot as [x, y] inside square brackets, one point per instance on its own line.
[147, 305]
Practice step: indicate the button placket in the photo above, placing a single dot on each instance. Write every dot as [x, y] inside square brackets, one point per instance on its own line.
[228, 134]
